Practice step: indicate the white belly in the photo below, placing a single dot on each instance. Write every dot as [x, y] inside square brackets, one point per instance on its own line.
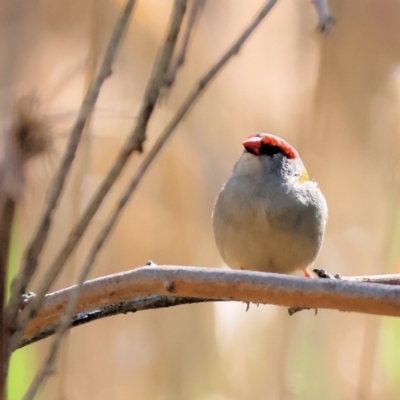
[250, 237]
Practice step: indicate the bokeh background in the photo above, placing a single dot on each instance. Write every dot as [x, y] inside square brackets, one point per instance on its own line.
[335, 98]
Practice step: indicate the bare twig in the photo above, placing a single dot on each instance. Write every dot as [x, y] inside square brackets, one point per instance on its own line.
[209, 283]
[82, 166]
[324, 15]
[38, 241]
[179, 60]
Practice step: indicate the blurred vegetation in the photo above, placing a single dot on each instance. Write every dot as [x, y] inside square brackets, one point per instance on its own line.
[335, 98]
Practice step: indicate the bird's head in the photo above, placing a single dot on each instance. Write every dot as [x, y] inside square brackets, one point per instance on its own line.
[274, 155]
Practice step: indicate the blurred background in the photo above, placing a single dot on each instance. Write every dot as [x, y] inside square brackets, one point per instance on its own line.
[335, 98]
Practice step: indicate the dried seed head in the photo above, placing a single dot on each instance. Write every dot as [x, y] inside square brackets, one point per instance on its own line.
[28, 136]
[30, 130]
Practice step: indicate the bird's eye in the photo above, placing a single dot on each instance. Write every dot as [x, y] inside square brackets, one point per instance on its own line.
[269, 150]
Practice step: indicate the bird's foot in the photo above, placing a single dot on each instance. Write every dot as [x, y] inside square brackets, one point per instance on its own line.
[307, 273]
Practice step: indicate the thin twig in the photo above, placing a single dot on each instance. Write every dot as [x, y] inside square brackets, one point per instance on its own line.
[36, 245]
[125, 307]
[82, 166]
[179, 60]
[324, 15]
[211, 283]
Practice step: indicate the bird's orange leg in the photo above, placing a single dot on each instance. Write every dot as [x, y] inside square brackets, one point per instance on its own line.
[307, 273]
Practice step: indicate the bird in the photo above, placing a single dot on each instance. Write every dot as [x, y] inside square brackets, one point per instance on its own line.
[269, 216]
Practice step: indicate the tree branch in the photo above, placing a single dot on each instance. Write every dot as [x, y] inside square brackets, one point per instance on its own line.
[215, 284]
[194, 14]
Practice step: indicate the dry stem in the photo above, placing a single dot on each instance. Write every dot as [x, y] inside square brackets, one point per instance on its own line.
[179, 60]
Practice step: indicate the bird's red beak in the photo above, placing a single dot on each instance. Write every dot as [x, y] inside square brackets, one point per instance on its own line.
[253, 145]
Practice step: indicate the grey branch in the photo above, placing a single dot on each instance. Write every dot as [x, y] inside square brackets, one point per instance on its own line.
[179, 60]
[148, 287]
